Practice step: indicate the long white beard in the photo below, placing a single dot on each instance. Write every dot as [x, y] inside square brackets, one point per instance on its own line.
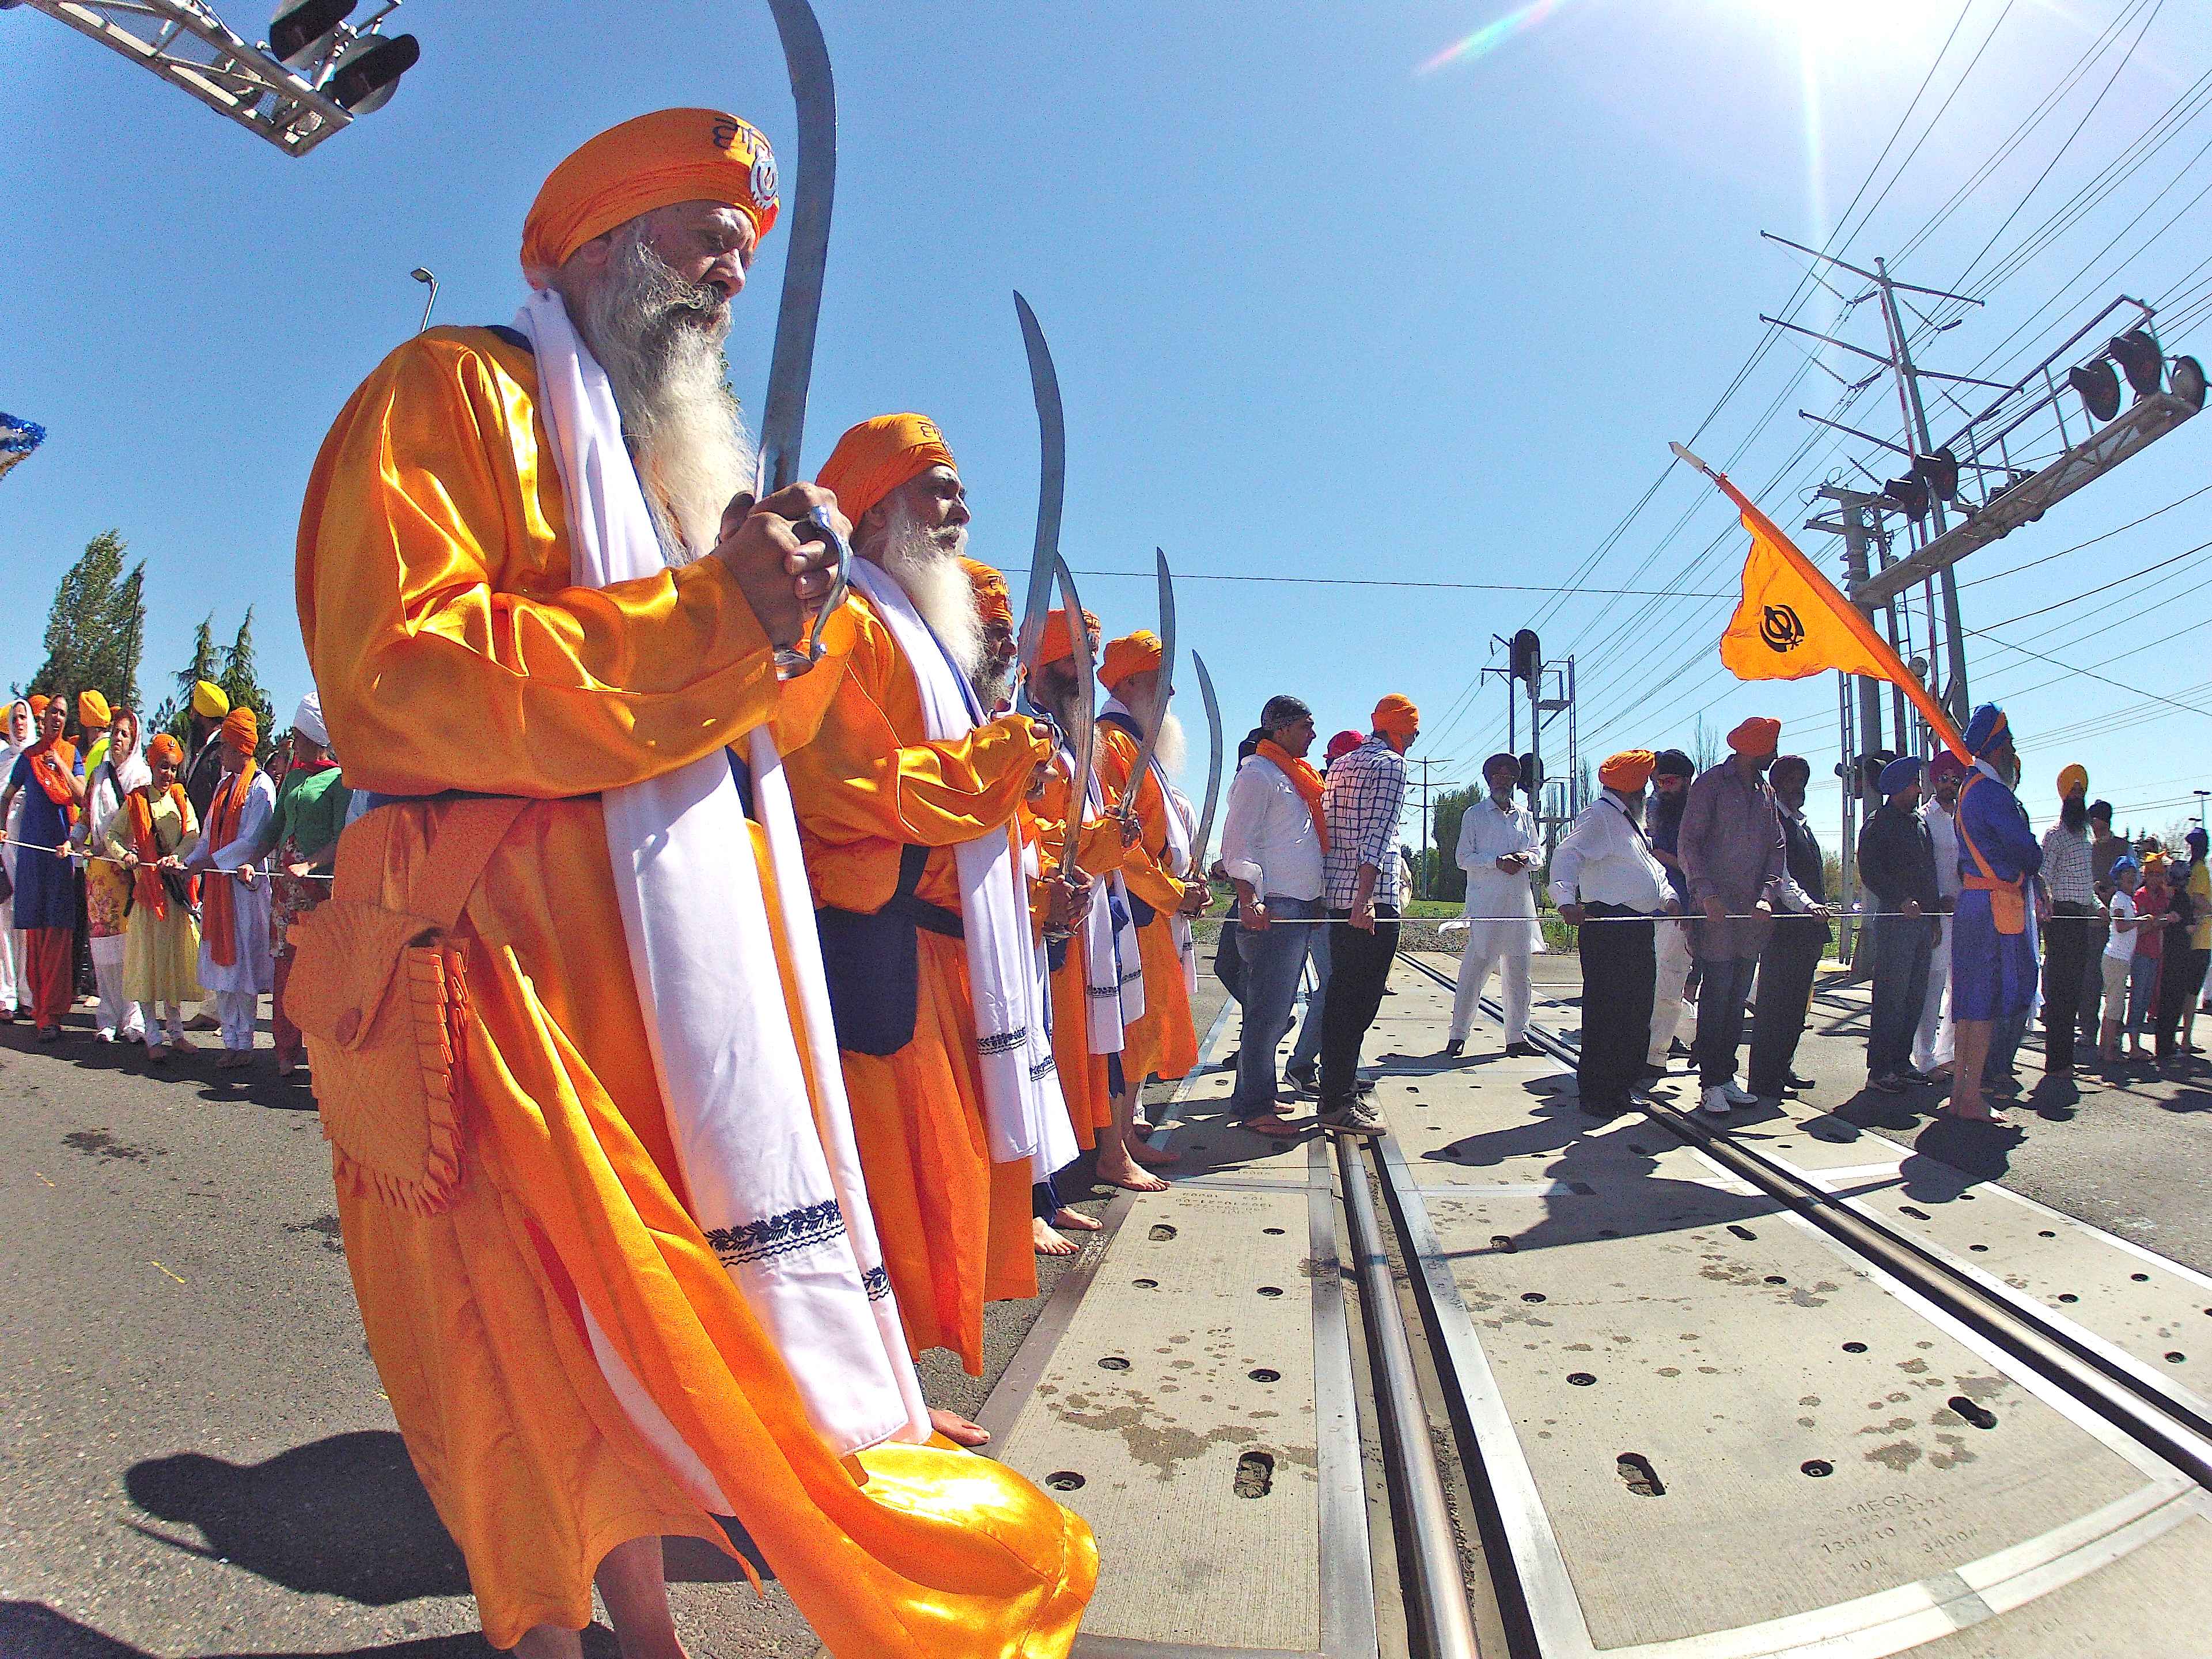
[926, 563]
[1172, 750]
[659, 339]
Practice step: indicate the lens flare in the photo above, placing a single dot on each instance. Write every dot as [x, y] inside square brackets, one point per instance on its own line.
[1494, 34]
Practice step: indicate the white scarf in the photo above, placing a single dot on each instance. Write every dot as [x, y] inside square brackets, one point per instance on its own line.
[1112, 966]
[774, 1176]
[1024, 1114]
[1182, 824]
[117, 777]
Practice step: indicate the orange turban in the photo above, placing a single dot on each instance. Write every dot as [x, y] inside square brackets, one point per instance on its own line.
[1133, 653]
[39, 702]
[2072, 779]
[1628, 771]
[1059, 643]
[878, 456]
[1756, 736]
[1395, 716]
[165, 748]
[651, 161]
[92, 709]
[241, 731]
[993, 602]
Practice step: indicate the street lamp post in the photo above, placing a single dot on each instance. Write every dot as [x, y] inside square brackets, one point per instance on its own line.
[2201, 796]
[421, 275]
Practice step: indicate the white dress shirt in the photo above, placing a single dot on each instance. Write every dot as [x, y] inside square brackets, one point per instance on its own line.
[1267, 833]
[1943, 837]
[1488, 833]
[1606, 860]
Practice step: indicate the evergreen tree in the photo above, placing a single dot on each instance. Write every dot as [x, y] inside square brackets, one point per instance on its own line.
[1447, 880]
[174, 716]
[241, 685]
[96, 626]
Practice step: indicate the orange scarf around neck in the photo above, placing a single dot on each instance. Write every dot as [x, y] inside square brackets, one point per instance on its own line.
[219, 899]
[1301, 774]
[53, 762]
[146, 879]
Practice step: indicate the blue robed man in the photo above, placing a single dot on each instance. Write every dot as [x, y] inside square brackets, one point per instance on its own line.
[1993, 968]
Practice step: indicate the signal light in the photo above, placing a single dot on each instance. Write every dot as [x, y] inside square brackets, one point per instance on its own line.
[366, 73]
[2099, 388]
[2136, 354]
[2186, 381]
[1909, 493]
[300, 31]
[1531, 770]
[1527, 658]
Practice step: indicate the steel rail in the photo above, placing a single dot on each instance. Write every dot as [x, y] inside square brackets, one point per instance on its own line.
[2168, 1426]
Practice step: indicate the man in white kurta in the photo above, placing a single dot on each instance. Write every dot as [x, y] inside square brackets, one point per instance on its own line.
[1499, 851]
[233, 841]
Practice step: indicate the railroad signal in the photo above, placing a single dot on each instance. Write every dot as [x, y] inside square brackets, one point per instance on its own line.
[2185, 379]
[2099, 388]
[365, 72]
[1531, 770]
[303, 30]
[1527, 657]
[2137, 354]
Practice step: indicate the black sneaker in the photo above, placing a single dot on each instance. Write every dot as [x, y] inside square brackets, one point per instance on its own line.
[1452, 1047]
[1521, 1051]
[1797, 1082]
[1354, 1116]
[1679, 1049]
[1888, 1084]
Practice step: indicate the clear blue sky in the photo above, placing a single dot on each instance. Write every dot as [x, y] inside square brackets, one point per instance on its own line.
[1317, 312]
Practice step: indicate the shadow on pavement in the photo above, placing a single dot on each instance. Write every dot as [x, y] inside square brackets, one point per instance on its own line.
[31, 1630]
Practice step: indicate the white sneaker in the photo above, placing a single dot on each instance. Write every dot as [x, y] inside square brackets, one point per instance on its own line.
[1714, 1102]
[1738, 1097]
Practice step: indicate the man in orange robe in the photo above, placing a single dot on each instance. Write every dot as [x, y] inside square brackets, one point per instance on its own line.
[885, 810]
[571, 1359]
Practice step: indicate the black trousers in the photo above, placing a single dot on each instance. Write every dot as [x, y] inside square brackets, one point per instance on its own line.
[1786, 968]
[1359, 968]
[1620, 972]
[1902, 945]
[2065, 956]
[2179, 972]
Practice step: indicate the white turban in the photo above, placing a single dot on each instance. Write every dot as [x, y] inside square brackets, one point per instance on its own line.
[307, 719]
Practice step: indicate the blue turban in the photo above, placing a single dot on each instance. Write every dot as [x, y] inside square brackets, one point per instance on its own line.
[1900, 776]
[1985, 728]
[2122, 867]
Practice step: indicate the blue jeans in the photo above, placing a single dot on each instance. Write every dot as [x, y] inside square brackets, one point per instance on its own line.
[1273, 961]
[1901, 947]
[1307, 1049]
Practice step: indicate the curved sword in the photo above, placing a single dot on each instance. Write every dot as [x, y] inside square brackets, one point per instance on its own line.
[1165, 690]
[1212, 766]
[1052, 481]
[783, 417]
[1082, 718]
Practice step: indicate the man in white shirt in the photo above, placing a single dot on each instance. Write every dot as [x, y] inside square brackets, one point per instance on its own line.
[1499, 850]
[1603, 874]
[1271, 848]
[1932, 1040]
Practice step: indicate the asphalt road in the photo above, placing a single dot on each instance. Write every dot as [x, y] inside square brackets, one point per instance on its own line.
[195, 1457]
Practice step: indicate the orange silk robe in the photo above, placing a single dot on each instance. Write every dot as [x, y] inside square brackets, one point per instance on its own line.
[1164, 1042]
[1083, 1075]
[955, 1226]
[451, 654]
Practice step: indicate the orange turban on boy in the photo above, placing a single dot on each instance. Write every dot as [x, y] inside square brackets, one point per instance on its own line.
[1133, 653]
[1395, 716]
[648, 162]
[241, 731]
[992, 602]
[1757, 736]
[878, 456]
[1628, 771]
[1059, 643]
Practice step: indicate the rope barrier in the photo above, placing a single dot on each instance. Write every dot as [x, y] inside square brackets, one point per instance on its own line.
[82, 856]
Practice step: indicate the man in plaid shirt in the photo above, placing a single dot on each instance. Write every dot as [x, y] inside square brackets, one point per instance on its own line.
[1361, 803]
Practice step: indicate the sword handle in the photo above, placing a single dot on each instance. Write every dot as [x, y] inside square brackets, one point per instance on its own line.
[793, 661]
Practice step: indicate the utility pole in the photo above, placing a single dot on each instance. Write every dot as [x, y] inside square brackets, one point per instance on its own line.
[1421, 871]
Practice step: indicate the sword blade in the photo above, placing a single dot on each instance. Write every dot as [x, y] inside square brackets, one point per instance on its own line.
[1052, 481]
[1212, 765]
[783, 417]
[1082, 718]
[1151, 734]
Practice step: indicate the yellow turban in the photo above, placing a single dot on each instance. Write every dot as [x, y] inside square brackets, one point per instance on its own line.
[1133, 653]
[92, 709]
[1756, 736]
[651, 161]
[209, 701]
[1395, 716]
[165, 748]
[878, 456]
[993, 602]
[1058, 643]
[241, 731]
[2073, 780]
[1629, 770]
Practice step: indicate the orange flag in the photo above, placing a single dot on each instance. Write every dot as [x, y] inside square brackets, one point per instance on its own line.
[1793, 623]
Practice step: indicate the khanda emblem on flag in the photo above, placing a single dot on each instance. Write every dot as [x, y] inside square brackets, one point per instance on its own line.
[1781, 628]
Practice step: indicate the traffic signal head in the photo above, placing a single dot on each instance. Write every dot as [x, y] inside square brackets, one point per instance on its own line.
[1527, 657]
[1909, 493]
[300, 31]
[366, 71]
[1531, 770]
[2136, 354]
[2186, 381]
[2099, 388]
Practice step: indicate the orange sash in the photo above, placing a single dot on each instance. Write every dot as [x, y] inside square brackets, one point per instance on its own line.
[219, 901]
[53, 764]
[146, 879]
[2008, 899]
[1300, 772]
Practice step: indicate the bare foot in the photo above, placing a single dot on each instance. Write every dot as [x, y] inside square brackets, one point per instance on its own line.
[1142, 1126]
[1146, 1153]
[1045, 1242]
[157, 1053]
[232, 1060]
[1121, 1172]
[1274, 1125]
[958, 1429]
[1075, 1220]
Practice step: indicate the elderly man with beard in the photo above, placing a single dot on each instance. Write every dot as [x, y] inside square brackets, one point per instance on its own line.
[1732, 854]
[1164, 892]
[1993, 965]
[1671, 773]
[633, 1286]
[1500, 849]
[998, 657]
[908, 799]
[1932, 1039]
